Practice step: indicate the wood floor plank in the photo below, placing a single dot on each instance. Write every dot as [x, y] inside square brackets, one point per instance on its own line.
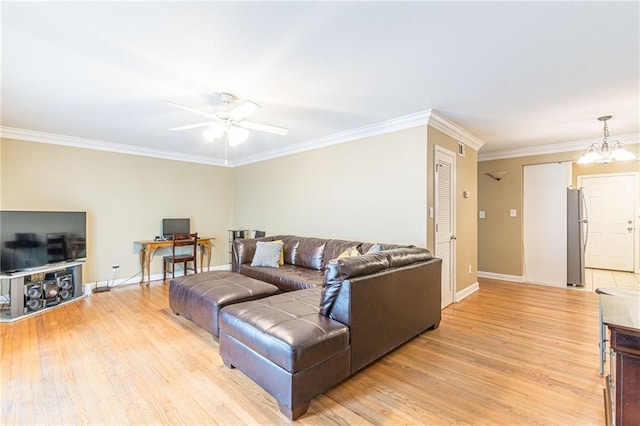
[508, 354]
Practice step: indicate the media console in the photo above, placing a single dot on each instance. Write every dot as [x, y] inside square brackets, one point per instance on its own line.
[31, 291]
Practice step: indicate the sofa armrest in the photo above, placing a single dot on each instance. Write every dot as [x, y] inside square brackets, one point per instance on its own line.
[340, 269]
[388, 308]
[243, 250]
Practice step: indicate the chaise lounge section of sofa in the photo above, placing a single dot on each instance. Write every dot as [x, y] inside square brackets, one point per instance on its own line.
[334, 316]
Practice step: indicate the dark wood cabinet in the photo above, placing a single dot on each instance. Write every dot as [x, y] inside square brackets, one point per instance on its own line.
[622, 317]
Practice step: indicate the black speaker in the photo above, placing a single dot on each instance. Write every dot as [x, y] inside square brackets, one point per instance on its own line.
[64, 282]
[51, 292]
[33, 296]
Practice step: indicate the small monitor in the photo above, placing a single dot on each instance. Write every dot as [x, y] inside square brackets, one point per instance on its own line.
[175, 226]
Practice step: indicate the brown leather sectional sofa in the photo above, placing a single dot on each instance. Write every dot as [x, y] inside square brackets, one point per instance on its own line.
[333, 317]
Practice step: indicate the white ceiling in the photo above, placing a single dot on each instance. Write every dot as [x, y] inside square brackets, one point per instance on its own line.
[513, 74]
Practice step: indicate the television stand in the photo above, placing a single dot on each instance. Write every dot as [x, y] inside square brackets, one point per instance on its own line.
[28, 292]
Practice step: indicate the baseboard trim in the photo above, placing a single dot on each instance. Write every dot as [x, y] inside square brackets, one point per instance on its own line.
[467, 291]
[89, 287]
[501, 277]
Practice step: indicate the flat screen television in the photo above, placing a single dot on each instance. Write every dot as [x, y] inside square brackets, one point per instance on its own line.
[30, 239]
[175, 226]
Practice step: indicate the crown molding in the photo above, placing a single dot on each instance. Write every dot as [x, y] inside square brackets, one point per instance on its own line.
[75, 142]
[578, 145]
[396, 124]
[400, 123]
[451, 129]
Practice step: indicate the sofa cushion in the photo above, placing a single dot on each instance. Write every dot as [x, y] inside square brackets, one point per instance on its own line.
[287, 277]
[286, 329]
[281, 259]
[290, 248]
[200, 297]
[370, 248]
[267, 254]
[310, 253]
[334, 248]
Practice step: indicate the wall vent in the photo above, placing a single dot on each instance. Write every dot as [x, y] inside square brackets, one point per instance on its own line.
[461, 148]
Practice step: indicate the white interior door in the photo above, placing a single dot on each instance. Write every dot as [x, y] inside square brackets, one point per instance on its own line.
[544, 219]
[610, 207]
[444, 185]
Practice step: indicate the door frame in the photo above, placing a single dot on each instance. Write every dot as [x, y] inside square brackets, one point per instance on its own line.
[636, 210]
[453, 247]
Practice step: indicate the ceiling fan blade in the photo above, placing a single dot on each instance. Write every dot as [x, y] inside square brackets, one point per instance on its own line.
[186, 108]
[264, 128]
[243, 110]
[192, 126]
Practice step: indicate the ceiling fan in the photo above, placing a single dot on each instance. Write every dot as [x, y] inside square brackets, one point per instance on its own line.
[229, 121]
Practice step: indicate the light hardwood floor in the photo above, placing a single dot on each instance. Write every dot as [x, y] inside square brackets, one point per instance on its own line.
[508, 354]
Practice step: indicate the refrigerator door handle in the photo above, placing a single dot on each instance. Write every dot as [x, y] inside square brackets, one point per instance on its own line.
[585, 221]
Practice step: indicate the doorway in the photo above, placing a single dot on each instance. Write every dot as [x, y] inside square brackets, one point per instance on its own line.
[445, 237]
[612, 235]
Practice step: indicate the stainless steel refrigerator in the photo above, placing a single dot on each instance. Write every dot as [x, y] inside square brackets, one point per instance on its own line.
[577, 231]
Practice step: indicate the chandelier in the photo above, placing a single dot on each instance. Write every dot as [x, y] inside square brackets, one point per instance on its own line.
[604, 153]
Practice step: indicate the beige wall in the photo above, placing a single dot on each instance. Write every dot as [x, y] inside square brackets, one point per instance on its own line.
[466, 208]
[500, 236]
[125, 197]
[372, 189]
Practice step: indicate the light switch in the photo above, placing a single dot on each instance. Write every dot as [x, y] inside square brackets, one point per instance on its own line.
[513, 213]
[481, 214]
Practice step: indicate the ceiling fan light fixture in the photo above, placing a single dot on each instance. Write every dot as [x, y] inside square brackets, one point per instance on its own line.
[243, 110]
[213, 132]
[237, 135]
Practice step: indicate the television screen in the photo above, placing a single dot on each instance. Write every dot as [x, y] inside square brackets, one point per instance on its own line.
[175, 226]
[29, 239]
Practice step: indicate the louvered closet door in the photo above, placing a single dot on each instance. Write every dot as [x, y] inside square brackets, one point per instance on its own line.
[445, 239]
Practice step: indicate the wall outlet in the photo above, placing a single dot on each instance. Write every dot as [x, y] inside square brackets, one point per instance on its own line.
[469, 268]
[481, 214]
[513, 213]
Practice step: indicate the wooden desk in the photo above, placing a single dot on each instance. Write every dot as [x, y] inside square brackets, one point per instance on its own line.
[148, 247]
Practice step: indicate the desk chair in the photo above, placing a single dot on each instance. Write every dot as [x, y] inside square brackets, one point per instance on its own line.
[184, 257]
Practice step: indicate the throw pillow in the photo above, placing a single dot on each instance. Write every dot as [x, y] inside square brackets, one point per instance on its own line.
[374, 249]
[267, 254]
[351, 252]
